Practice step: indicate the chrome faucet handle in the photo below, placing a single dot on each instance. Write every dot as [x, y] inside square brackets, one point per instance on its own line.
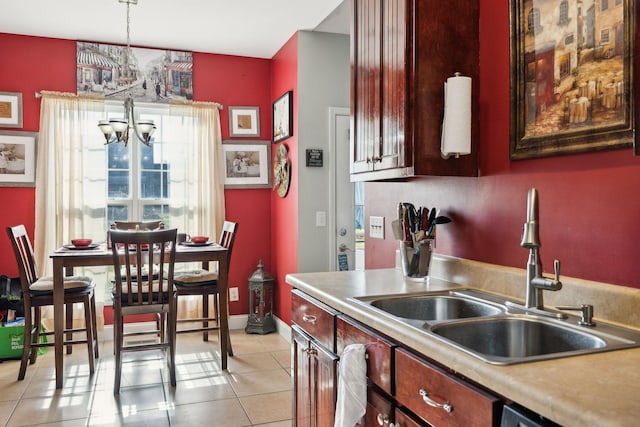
[556, 269]
[586, 313]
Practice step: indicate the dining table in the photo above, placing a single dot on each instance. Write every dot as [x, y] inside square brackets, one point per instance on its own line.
[67, 257]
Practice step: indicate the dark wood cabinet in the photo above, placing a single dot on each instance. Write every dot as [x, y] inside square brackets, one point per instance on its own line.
[403, 389]
[402, 52]
[314, 362]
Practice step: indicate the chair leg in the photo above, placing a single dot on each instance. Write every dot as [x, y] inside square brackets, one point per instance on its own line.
[94, 324]
[205, 315]
[117, 348]
[69, 325]
[35, 333]
[88, 325]
[171, 335]
[217, 304]
[27, 344]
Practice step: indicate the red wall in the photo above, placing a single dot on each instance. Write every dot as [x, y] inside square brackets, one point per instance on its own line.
[589, 203]
[30, 64]
[284, 225]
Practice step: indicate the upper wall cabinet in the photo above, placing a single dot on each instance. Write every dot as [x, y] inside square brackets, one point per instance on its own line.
[402, 52]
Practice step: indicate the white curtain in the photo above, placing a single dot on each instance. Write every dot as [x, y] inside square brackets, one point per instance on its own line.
[71, 177]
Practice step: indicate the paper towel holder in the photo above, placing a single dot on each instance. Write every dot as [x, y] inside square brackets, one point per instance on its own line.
[446, 154]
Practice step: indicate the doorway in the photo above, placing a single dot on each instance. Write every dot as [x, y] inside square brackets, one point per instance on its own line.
[347, 219]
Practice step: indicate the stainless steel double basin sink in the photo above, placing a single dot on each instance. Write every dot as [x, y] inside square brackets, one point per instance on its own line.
[486, 326]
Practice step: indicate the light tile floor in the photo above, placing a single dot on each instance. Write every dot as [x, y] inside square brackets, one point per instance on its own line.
[254, 391]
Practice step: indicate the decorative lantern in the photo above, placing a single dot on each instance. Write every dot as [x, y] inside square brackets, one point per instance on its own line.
[260, 303]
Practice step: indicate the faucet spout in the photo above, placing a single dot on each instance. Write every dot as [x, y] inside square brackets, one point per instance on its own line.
[536, 282]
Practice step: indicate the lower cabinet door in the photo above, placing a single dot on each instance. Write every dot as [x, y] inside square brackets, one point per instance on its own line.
[301, 378]
[379, 410]
[314, 381]
[324, 385]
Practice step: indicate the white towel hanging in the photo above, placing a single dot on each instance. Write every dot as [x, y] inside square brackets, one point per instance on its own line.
[351, 403]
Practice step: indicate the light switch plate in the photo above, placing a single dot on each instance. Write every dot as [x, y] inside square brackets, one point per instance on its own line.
[376, 227]
[233, 294]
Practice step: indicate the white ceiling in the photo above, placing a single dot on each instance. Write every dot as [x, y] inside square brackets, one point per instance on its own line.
[254, 28]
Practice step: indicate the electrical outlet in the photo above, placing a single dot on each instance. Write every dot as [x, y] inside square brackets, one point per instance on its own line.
[233, 294]
[376, 227]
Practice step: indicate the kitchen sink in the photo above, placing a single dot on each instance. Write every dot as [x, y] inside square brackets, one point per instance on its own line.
[486, 326]
[435, 306]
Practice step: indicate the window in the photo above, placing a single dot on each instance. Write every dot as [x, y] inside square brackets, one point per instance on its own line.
[604, 5]
[564, 12]
[565, 65]
[604, 36]
[137, 181]
[533, 22]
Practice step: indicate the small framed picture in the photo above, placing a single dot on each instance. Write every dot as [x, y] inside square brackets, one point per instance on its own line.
[10, 109]
[247, 164]
[244, 121]
[18, 159]
[283, 117]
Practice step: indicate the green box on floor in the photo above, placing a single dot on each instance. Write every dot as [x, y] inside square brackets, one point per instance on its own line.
[12, 342]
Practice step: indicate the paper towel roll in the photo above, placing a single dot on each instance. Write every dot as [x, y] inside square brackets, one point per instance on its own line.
[456, 125]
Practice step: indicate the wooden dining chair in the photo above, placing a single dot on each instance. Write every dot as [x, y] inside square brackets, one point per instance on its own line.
[137, 225]
[137, 294]
[204, 283]
[37, 292]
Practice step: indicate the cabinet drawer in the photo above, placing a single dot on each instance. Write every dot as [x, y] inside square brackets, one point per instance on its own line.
[425, 390]
[404, 420]
[316, 318]
[379, 351]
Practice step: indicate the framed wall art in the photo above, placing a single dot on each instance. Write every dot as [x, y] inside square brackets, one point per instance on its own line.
[247, 164]
[244, 121]
[154, 75]
[572, 87]
[10, 109]
[283, 117]
[18, 159]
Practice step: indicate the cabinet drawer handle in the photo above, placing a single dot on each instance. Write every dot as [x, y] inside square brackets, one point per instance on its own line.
[383, 420]
[425, 396]
[309, 319]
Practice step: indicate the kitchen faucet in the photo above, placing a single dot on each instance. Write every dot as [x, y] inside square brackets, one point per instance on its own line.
[536, 282]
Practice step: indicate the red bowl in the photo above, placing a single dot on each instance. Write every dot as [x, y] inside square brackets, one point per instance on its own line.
[200, 239]
[81, 242]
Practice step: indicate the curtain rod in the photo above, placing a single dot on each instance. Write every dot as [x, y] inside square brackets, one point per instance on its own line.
[38, 95]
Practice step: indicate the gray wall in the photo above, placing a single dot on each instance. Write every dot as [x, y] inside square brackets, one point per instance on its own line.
[323, 82]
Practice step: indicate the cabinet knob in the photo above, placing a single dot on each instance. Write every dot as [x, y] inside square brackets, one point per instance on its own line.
[311, 351]
[309, 318]
[425, 397]
[383, 420]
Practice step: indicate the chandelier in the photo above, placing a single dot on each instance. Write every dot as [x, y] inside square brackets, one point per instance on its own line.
[119, 129]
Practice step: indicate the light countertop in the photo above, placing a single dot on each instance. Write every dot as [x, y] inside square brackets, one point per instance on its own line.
[600, 389]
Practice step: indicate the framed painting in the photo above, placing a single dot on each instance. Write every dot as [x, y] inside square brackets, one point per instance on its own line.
[10, 110]
[244, 121]
[283, 117]
[247, 164]
[150, 75]
[18, 159]
[572, 78]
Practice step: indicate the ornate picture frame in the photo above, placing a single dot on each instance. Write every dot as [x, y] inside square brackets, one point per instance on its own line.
[283, 117]
[572, 82]
[247, 164]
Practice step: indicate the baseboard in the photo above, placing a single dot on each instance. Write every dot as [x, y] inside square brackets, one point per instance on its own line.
[238, 321]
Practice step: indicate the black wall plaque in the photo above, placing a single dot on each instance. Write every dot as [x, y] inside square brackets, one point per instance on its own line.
[314, 157]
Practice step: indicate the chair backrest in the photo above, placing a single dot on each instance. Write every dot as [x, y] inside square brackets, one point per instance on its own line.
[137, 251]
[23, 251]
[138, 225]
[228, 237]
